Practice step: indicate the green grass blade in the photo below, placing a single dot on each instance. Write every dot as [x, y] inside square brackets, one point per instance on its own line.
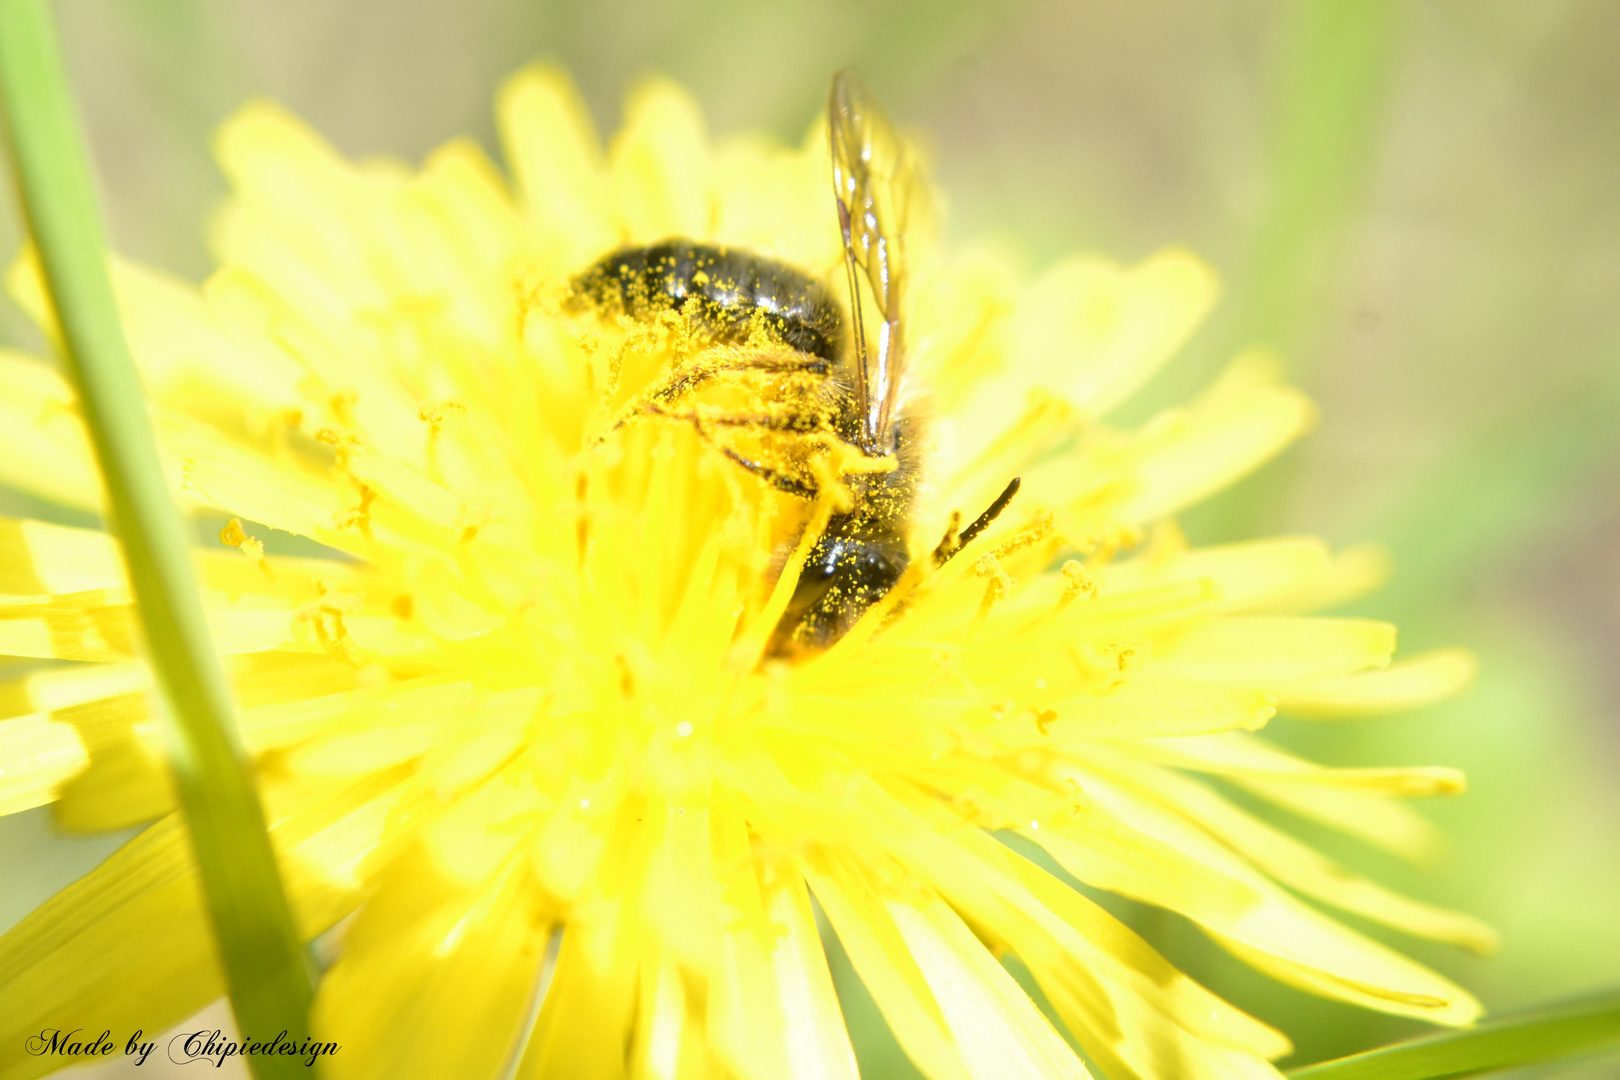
[266, 968]
[1508, 1042]
[1334, 62]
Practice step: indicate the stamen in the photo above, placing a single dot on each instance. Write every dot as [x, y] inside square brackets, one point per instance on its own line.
[437, 411]
[525, 299]
[1043, 526]
[358, 517]
[1000, 584]
[342, 405]
[234, 535]
[325, 617]
[1076, 583]
[582, 521]
[627, 678]
[434, 414]
[276, 428]
[343, 444]
[1127, 656]
[1112, 665]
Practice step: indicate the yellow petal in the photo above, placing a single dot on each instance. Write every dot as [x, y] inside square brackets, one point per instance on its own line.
[128, 946]
[1002, 892]
[1373, 817]
[669, 1042]
[1093, 333]
[307, 229]
[1357, 571]
[36, 756]
[778, 203]
[435, 980]
[1282, 936]
[364, 751]
[1264, 650]
[454, 250]
[1247, 758]
[189, 357]
[856, 911]
[586, 1022]
[964, 355]
[1248, 576]
[1184, 457]
[127, 781]
[37, 558]
[772, 1011]
[1408, 683]
[816, 1040]
[476, 741]
[96, 625]
[1322, 956]
[1291, 862]
[472, 838]
[1126, 1037]
[552, 149]
[1130, 1009]
[660, 166]
[405, 703]
[135, 921]
[1103, 852]
[1143, 708]
[681, 892]
[43, 448]
[587, 1018]
[274, 492]
[982, 878]
[997, 1029]
[62, 687]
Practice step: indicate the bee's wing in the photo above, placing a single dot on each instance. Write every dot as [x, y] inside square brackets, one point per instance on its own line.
[875, 176]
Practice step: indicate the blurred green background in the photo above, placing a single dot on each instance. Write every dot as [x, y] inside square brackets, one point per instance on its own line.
[1418, 203]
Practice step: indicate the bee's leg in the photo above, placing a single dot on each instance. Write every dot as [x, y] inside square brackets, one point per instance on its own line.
[779, 480]
[951, 544]
[809, 427]
[773, 362]
[678, 384]
[785, 423]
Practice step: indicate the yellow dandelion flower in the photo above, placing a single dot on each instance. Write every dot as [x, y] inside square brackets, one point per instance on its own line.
[558, 677]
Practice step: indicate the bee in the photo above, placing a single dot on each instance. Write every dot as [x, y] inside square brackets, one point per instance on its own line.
[734, 295]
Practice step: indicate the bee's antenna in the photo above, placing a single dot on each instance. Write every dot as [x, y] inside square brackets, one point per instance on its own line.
[949, 546]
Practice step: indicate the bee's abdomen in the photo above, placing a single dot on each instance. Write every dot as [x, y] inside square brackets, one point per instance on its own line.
[733, 288]
[850, 568]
